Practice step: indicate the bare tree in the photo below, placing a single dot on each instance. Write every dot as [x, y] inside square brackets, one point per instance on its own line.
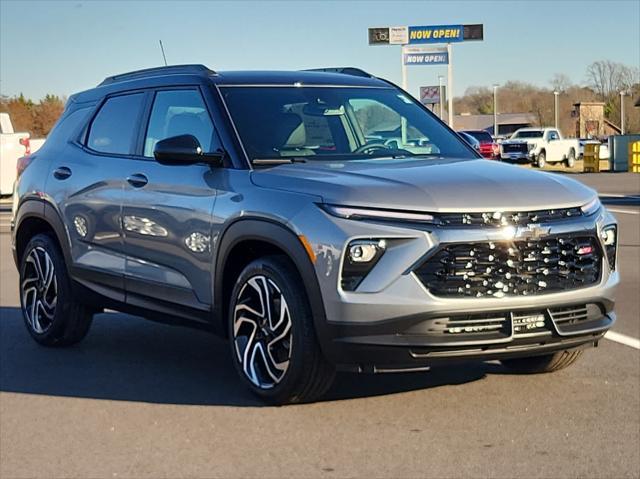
[560, 82]
[608, 78]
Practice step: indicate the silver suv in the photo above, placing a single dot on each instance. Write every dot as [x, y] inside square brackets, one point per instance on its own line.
[319, 220]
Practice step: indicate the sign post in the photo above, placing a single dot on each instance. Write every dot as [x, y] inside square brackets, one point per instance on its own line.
[415, 35]
[450, 85]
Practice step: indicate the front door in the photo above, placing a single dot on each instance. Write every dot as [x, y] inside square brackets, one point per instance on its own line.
[167, 212]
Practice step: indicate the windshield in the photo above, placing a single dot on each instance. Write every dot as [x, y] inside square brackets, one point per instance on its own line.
[482, 136]
[336, 123]
[528, 134]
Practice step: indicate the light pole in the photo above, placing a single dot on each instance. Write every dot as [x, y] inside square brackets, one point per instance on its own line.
[440, 78]
[622, 94]
[495, 109]
[555, 106]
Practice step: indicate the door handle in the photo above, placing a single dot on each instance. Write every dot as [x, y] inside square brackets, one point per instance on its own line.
[138, 180]
[62, 173]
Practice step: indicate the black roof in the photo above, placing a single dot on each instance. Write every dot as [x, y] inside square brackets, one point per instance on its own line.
[200, 74]
[158, 72]
[312, 77]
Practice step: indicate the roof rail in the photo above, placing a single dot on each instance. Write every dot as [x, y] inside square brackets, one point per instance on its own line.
[157, 71]
[353, 71]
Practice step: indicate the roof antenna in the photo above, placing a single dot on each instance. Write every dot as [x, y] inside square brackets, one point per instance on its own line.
[163, 55]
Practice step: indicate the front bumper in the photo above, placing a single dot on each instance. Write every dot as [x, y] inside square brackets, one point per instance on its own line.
[406, 344]
[386, 322]
[518, 157]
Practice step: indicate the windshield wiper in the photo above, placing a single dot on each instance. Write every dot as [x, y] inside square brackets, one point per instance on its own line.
[278, 161]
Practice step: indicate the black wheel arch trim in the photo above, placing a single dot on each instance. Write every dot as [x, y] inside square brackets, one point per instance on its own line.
[282, 237]
[42, 210]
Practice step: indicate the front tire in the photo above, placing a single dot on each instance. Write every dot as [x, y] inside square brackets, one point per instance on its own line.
[542, 364]
[273, 342]
[51, 313]
[541, 160]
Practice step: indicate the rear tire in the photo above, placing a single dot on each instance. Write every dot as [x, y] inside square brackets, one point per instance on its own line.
[570, 162]
[542, 364]
[541, 160]
[272, 337]
[52, 314]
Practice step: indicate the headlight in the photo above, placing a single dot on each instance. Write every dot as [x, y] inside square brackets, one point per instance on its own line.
[357, 213]
[592, 207]
[531, 146]
[360, 258]
[609, 237]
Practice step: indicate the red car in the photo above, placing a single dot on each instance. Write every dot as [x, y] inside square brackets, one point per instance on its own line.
[488, 148]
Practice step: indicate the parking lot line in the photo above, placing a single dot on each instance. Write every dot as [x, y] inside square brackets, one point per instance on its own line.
[623, 339]
[629, 212]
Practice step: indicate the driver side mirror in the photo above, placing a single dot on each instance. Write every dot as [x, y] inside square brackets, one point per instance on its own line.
[184, 150]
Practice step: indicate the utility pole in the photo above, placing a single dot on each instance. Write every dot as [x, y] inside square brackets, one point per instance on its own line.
[622, 94]
[555, 107]
[495, 109]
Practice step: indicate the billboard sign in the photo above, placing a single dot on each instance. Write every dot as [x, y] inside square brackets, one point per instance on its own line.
[430, 95]
[436, 34]
[433, 56]
[425, 34]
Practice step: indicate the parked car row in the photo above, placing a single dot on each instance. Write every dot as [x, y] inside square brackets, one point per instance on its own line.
[537, 146]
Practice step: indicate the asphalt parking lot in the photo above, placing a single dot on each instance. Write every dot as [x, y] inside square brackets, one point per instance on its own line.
[140, 399]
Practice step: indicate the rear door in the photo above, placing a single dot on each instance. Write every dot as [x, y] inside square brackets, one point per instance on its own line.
[87, 184]
[168, 210]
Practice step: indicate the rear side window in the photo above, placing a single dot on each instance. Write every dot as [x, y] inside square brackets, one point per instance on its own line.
[114, 128]
[179, 112]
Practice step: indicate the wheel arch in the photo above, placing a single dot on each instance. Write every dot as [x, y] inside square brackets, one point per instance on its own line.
[34, 217]
[275, 238]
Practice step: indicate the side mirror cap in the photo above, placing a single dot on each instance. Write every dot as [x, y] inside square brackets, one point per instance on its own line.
[184, 150]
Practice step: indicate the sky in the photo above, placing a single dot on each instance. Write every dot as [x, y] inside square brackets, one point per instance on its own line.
[65, 47]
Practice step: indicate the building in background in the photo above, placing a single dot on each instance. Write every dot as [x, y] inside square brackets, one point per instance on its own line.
[507, 122]
[591, 122]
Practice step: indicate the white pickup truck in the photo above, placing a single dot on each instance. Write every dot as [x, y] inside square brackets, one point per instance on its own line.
[539, 146]
[12, 147]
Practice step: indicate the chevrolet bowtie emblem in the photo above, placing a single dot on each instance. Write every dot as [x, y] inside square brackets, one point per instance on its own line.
[532, 231]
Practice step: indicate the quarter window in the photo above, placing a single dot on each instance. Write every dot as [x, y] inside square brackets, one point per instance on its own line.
[179, 112]
[114, 128]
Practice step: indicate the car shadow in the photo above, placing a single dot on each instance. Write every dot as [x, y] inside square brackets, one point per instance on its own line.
[130, 359]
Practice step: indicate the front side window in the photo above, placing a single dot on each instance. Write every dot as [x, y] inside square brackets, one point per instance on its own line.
[114, 128]
[179, 112]
[325, 123]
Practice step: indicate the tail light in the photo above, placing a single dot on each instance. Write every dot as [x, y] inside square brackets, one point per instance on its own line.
[23, 163]
[27, 145]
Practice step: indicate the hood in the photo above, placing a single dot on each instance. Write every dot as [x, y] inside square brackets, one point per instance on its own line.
[427, 185]
[520, 140]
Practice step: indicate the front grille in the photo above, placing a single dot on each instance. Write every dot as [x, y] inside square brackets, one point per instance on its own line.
[515, 148]
[499, 218]
[512, 268]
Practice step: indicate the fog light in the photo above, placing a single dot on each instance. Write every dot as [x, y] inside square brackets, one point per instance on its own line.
[609, 235]
[360, 258]
[365, 251]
